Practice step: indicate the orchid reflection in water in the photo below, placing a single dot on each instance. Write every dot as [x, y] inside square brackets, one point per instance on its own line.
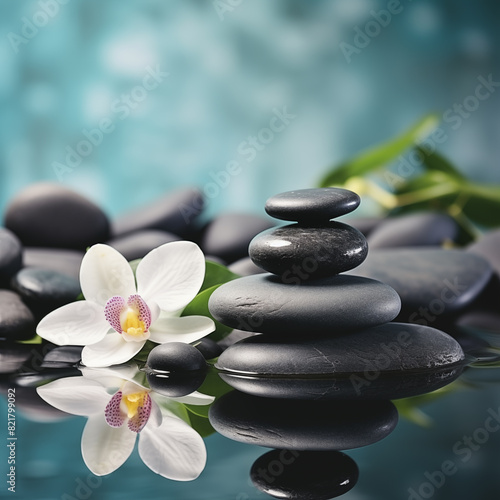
[120, 406]
[117, 317]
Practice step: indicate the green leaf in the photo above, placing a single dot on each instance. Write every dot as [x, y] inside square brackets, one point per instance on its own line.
[201, 425]
[35, 340]
[199, 307]
[133, 264]
[437, 163]
[482, 204]
[216, 274]
[379, 156]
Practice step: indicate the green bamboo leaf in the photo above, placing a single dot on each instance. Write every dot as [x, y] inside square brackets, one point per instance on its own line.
[437, 163]
[381, 155]
[482, 204]
[199, 307]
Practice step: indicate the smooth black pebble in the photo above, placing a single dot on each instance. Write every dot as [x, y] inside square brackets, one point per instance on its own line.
[310, 252]
[11, 255]
[66, 262]
[16, 320]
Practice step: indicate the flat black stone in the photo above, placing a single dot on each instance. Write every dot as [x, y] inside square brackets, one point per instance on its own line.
[304, 475]
[208, 348]
[175, 357]
[49, 215]
[302, 425]
[295, 251]
[16, 320]
[65, 356]
[13, 355]
[432, 283]
[137, 245]
[44, 290]
[420, 229]
[488, 247]
[330, 306]
[11, 255]
[175, 212]
[228, 235]
[312, 205]
[390, 361]
[245, 267]
[66, 262]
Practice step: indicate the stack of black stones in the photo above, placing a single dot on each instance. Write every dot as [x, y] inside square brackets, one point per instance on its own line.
[321, 375]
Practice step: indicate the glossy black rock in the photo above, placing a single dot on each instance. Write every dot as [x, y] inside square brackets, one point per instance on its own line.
[49, 215]
[228, 235]
[137, 245]
[420, 229]
[330, 306]
[175, 212]
[487, 247]
[245, 267]
[312, 205]
[16, 320]
[295, 251]
[63, 261]
[175, 357]
[431, 282]
[302, 425]
[304, 475]
[11, 255]
[407, 360]
[44, 290]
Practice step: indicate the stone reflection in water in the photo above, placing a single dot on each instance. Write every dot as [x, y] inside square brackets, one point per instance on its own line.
[302, 425]
[175, 369]
[304, 475]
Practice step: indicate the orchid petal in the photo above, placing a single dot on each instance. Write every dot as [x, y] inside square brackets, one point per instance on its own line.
[156, 418]
[104, 448]
[186, 329]
[111, 350]
[75, 395]
[78, 323]
[113, 311]
[171, 275]
[105, 273]
[137, 303]
[174, 450]
[113, 377]
[140, 419]
[113, 415]
[195, 398]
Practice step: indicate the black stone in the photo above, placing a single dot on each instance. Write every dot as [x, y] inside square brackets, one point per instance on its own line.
[488, 247]
[228, 235]
[49, 215]
[431, 282]
[364, 225]
[177, 384]
[245, 267]
[44, 290]
[312, 205]
[137, 245]
[11, 255]
[330, 306]
[302, 425]
[304, 475]
[390, 361]
[175, 357]
[16, 320]
[208, 348]
[63, 357]
[176, 213]
[317, 252]
[420, 229]
[13, 356]
[66, 262]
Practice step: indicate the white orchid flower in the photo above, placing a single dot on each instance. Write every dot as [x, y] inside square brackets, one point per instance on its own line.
[119, 409]
[118, 317]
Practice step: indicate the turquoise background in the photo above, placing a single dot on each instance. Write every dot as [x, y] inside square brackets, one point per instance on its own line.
[226, 76]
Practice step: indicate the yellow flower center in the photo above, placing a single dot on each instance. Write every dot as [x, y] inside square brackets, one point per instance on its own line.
[133, 325]
[133, 401]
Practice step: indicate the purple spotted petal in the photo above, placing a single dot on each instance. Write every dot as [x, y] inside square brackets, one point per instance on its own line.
[113, 414]
[113, 309]
[137, 303]
[140, 419]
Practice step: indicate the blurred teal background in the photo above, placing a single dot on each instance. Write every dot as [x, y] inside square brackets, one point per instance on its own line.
[228, 68]
[228, 71]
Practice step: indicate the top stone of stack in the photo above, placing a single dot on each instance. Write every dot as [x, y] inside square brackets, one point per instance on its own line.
[312, 206]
